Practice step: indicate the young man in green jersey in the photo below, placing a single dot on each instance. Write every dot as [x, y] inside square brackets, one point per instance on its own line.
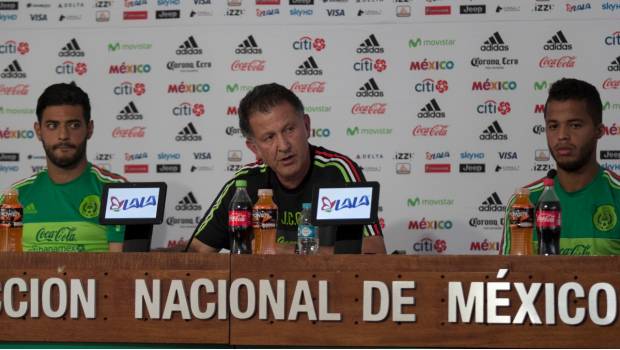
[589, 194]
[62, 202]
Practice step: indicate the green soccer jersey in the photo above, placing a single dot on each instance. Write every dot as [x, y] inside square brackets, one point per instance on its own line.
[589, 216]
[65, 217]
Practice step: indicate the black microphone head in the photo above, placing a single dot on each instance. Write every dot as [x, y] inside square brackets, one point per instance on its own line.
[551, 173]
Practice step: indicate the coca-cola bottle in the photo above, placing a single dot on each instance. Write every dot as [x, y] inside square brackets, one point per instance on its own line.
[548, 220]
[240, 220]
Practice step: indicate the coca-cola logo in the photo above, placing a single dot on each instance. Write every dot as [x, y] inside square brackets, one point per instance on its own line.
[315, 87]
[548, 218]
[371, 109]
[435, 130]
[251, 66]
[135, 132]
[561, 62]
[611, 84]
[19, 89]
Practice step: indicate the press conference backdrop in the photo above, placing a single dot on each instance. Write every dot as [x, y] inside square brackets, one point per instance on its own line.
[439, 101]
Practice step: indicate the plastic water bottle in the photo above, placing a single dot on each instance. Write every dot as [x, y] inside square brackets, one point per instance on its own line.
[307, 234]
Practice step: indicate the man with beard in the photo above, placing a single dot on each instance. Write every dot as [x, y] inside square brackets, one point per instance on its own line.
[61, 203]
[589, 194]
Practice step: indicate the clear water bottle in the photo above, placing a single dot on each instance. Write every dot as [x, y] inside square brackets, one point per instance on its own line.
[307, 234]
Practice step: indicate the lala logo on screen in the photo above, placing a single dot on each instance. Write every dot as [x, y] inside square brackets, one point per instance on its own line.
[126, 204]
[346, 203]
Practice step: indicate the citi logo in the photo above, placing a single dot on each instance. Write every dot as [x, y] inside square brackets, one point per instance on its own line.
[129, 88]
[248, 47]
[367, 64]
[306, 43]
[188, 202]
[369, 89]
[188, 133]
[335, 12]
[615, 65]
[130, 112]
[431, 110]
[13, 71]
[613, 39]
[494, 43]
[557, 42]
[189, 47]
[71, 49]
[188, 109]
[370, 45]
[538, 129]
[493, 132]
[493, 107]
[427, 245]
[492, 203]
[12, 47]
[309, 67]
[429, 85]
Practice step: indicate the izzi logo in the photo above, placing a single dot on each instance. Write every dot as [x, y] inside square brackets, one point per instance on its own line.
[492, 203]
[369, 89]
[188, 133]
[71, 49]
[493, 132]
[188, 202]
[370, 45]
[543, 6]
[12, 47]
[13, 71]
[309, 67]
[307, 43]
[431, 110]
[129, 88]
[189, 47]
[130, 112]
[494, 43]
[188, 109]
[248, 47]
[615, 65]
[558, 42]
[493, 107]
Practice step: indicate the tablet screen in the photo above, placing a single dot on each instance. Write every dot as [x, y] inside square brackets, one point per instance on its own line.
[133, 203]
[349, 204]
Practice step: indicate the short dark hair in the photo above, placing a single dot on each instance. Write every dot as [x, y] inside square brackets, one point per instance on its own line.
[63, 94]
[262, 98]
[574, 89]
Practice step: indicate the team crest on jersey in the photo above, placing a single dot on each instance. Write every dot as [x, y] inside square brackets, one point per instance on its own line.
[89, 208]
[605, 218]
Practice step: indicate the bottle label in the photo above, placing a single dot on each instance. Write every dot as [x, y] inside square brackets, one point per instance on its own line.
[264, 218]
[239, 218]
[548, 218]
[522, 217]
[12, 217]
[306, 231]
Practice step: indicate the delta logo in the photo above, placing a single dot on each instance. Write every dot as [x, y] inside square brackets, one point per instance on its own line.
[128, 88]
[431, 110]
[188, 133]
[615, 65]
[370, 45]
[70, 68]
[369, 109]
[12, 47]
[439, 130]
[494, 43]
[558, 42]
[367, 64]
[248, 66]
[307, 43]
[492, 204]
[493, 107]
[369, 89]
[428, 245]
[309, 67]
[188, 203]
[613, 39]
[13, 71]
[429, 85]
[493, 132]
[558, 62]
[248, 47]
[189, 109]
[315, 87]
[71, 49]
[130, 112]
[189, 47]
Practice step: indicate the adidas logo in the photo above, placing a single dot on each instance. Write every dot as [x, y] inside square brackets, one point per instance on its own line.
[188, 133]
[13, 70]
[431, 110]
[30, 209]
[370, 45]
[248, 46]
[494, 43]
[492, 203]
[130, 112]
[188, 202]
[369, 89]
[309, 67]
[615, 65]
[493, 132]
[558, 42]
[71, 49]
[189, 47]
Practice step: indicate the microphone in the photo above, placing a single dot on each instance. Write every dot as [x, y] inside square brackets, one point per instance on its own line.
[551, 173]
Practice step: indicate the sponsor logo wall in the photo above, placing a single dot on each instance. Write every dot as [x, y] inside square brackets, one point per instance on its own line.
[441, 103]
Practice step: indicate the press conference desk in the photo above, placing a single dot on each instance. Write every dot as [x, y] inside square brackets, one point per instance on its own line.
[414, 301]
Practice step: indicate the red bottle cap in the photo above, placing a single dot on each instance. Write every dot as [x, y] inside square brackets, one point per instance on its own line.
[547, 181]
